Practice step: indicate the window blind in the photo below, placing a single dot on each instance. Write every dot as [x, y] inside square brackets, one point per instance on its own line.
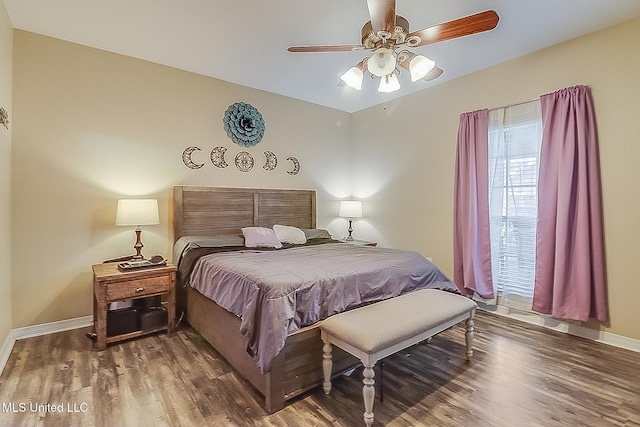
[515, 135]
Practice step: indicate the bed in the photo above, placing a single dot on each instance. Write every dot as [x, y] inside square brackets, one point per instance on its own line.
[268, 301]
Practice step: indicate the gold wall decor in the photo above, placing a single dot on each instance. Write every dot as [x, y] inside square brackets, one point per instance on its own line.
[188, 161]
[296, 165]
[217, 157]
[271, 161]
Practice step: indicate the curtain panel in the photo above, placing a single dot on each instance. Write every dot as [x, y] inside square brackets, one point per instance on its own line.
[471, 236]
[570, 267]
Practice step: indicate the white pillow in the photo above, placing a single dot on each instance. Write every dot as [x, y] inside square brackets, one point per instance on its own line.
[287, 234]
[260, 237]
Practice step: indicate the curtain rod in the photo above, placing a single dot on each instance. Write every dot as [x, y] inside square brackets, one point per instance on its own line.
[514, 104]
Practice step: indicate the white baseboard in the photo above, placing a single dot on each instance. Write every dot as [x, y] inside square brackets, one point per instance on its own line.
[37, 330]
[529, 317]
[5, 351]
[564, 326]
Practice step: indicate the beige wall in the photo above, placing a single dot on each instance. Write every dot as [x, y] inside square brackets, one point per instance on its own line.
[6, 61]
[92, 127]
[404, 157]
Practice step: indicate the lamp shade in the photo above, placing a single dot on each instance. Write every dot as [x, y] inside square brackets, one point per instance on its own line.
[350, 209]
[137, 212]
[389, 83]
[353, 77]
[419, 67]
[382, 62]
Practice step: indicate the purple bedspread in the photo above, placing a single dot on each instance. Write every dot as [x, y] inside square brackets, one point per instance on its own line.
[277, 292]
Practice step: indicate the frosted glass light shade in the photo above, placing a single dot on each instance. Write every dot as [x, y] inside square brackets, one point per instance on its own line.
[389, 83]
[419, 67]
[137, 212]
[350, 209]
[353, 78]
[382, 62]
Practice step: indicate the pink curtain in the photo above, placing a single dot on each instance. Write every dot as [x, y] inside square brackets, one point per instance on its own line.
[471, 238]
[570, 257]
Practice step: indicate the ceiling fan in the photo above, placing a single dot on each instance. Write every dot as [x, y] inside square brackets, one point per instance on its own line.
[387, 35]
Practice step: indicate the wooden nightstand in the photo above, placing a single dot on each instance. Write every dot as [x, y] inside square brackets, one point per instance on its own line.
[111, 284]
[359, 242]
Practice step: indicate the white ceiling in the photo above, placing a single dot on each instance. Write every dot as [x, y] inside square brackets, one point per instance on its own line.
[245, 42]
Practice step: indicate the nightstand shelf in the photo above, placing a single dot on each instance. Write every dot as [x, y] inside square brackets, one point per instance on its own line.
[135, 334]
[111, 285]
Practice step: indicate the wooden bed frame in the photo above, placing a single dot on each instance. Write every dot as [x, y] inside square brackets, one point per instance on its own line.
[209, 211]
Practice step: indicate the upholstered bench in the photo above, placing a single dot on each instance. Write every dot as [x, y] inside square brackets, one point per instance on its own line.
[376, 331]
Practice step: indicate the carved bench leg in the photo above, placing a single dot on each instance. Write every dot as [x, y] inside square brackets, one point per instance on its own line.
[327, 366]
[469, 336]
[369, 394]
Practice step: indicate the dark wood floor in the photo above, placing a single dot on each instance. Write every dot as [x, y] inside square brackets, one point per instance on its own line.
[520, 375]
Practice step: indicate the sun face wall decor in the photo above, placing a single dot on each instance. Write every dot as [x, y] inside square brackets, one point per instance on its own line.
[244, 124]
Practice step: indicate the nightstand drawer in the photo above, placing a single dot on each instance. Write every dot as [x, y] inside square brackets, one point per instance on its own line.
[137, 288]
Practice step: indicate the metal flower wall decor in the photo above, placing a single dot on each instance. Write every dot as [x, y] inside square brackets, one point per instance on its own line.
[244, 124]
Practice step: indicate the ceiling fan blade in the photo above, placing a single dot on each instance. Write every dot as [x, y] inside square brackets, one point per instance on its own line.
[331, 48]
[483, 21]
[383, 15]
[433, 74]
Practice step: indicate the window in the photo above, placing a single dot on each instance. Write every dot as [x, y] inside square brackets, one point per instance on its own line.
[515, 136]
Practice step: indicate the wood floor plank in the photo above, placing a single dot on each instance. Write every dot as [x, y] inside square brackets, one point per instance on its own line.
[520, 375]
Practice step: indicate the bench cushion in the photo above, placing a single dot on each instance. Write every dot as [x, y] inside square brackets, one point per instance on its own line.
[383, 324]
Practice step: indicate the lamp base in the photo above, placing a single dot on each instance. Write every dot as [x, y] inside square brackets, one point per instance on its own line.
[138, 246]
[349, 238]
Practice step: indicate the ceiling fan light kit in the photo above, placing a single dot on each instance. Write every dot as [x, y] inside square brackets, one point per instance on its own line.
[419, 67]
[389, 83]
[387, 32]
[382, 62]
[353, 77]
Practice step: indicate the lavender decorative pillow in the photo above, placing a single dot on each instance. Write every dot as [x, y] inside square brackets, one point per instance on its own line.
[260, 237]
[288, 234]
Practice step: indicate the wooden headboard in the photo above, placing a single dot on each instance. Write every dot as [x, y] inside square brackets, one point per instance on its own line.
[211, 211]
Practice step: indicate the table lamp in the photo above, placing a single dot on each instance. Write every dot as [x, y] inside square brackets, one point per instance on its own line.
[137, 212]
[350, 209]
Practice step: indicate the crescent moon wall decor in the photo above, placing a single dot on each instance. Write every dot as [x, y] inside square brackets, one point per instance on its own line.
[217, 157]
[244, 124]
[186, 158]
[271, 161]
[296, 166]
[244, 161]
